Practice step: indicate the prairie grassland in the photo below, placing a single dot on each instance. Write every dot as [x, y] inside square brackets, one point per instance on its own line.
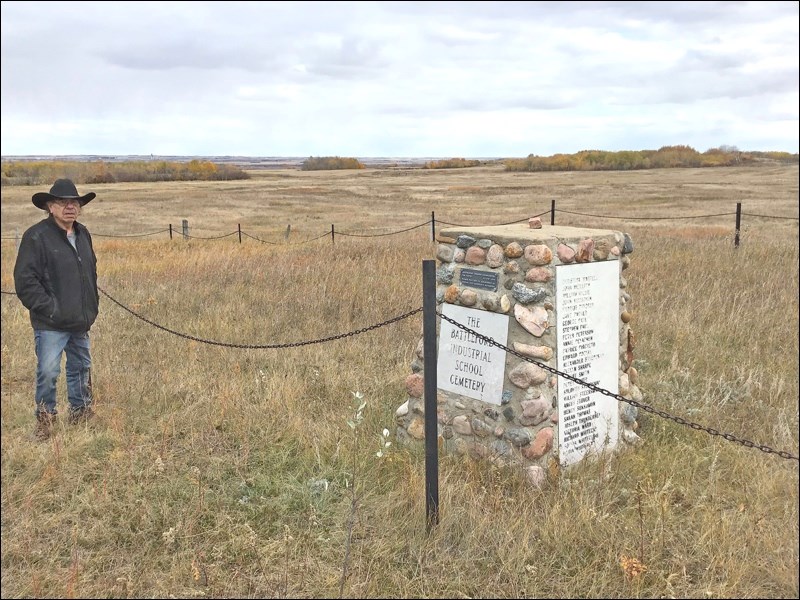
[219, 471]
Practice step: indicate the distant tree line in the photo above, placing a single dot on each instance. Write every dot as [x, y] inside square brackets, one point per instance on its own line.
[330, 163]
[663, 158]
[39, 172]
[451, 163]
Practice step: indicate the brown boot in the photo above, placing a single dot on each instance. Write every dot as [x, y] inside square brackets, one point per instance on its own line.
[82, 415]
[44, 425]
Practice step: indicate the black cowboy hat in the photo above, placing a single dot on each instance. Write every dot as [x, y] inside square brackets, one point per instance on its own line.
[62, 188]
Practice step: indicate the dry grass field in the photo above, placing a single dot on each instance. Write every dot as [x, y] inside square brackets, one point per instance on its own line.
[215, 470]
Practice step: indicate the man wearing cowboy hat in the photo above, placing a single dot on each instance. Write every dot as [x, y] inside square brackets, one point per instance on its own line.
[55, 277]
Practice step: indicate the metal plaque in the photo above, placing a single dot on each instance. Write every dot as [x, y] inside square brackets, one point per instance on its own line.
[483, 280]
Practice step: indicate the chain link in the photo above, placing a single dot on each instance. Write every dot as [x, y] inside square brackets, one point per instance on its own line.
[252, 237]
[263, 346]
[369, 235]
[663, 414]
[627, 218]
[496, 224]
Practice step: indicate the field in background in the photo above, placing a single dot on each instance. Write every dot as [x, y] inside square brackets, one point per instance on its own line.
[218, 471]
[310, 201]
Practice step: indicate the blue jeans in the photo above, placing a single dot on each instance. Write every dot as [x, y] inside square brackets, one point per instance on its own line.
[50, 345]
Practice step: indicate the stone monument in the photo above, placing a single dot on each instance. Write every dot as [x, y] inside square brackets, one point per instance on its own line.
[554, 294]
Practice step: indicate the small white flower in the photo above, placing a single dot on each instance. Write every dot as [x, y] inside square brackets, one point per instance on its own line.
[169, 536]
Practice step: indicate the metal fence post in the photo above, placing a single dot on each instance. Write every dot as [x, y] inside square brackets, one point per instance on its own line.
[433, 227]
[738, 224]
[552, 212]
[431, 422]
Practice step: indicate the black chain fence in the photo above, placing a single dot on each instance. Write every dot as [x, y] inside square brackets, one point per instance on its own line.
[663, 414]
[262, 346]
[639, 405]
[434, 222]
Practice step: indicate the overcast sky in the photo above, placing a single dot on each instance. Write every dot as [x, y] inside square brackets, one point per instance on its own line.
[397, 79]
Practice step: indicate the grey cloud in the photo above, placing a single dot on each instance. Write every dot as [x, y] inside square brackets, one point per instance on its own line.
[704, 60]
[496, 101]
[352, 57]
[189, 54]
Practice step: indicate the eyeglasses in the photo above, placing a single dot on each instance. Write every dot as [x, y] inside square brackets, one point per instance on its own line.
[62, 202]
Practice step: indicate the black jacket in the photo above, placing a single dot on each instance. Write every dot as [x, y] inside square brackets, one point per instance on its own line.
[54, 282]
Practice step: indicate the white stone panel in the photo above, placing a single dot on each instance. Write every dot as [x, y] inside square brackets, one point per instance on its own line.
[467, 365]
[587, 330]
